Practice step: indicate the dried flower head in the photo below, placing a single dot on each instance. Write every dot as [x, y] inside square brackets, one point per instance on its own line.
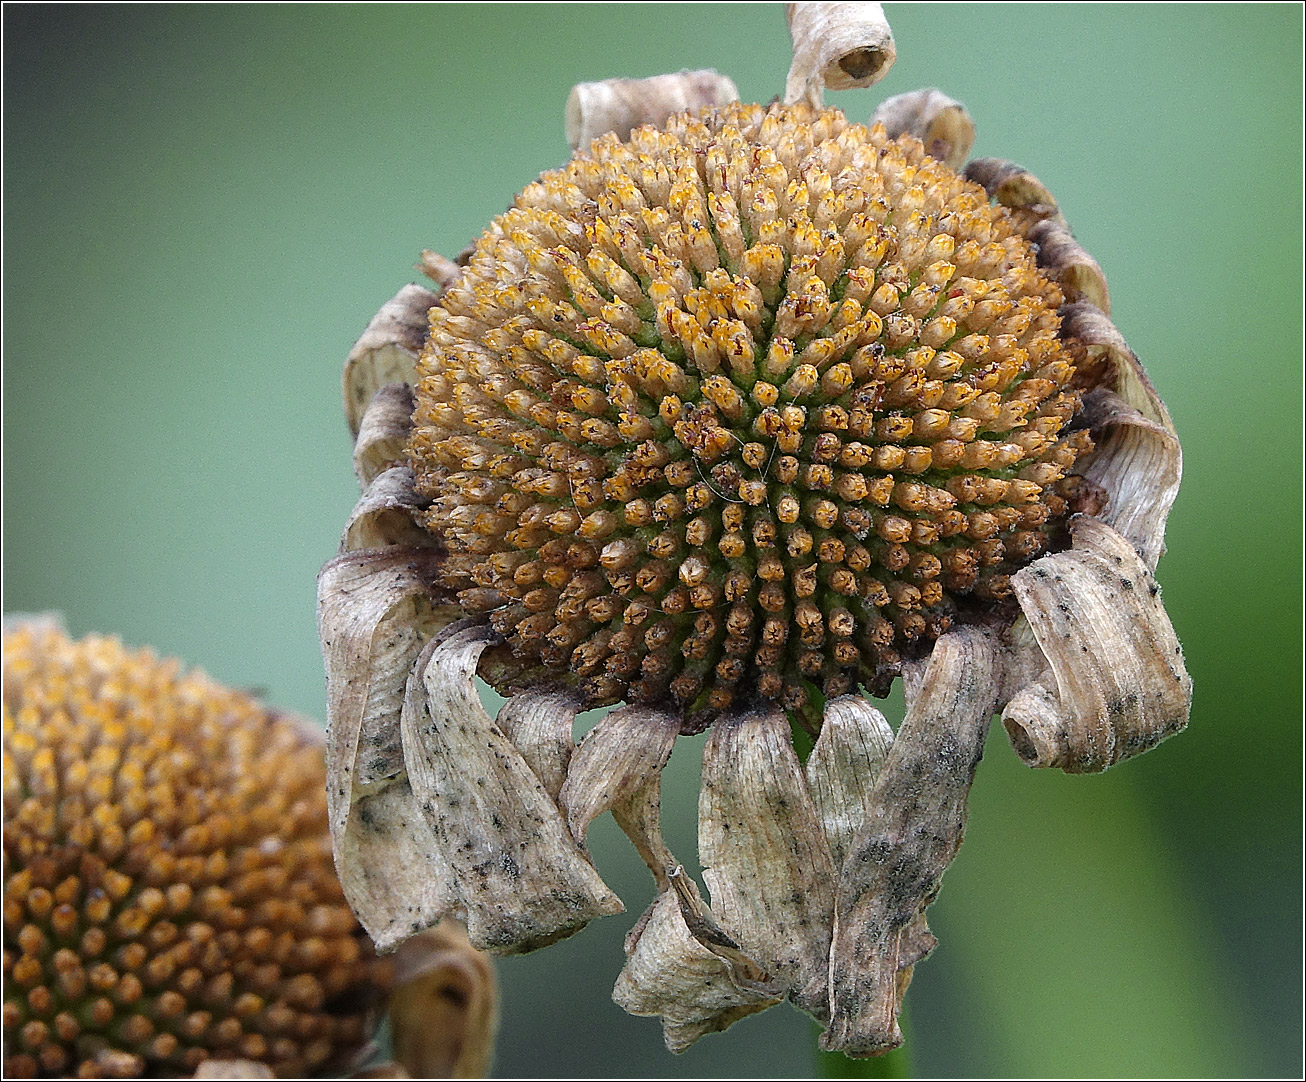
[733, 417]
[169, 894]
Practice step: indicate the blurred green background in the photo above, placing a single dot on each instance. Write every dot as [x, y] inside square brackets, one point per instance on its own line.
[205, 205]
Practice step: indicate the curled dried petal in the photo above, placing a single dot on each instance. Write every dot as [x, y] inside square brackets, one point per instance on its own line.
[842, 768]
[838, 47]
[384, 431]
[387, 350]
[1014, 187]
[376, 609]
[1105, 344]
[682, 967]
[938, 121]
[444, 1009]
[386, 515]
[614, 761]
[765, 858]
[1077, 272]
[539, 722]
[917, 813]
[1120, 682]
[522, 879]
[622, 105]
[1139, 464]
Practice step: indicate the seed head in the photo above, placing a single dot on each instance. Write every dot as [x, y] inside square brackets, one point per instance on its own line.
[169, 892]
[753, 405]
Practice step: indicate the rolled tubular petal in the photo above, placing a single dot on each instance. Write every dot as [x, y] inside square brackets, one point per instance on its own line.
[523, 881]
[764, 855]
[916, 817]
[385, 515]
[1016, 188]
[387, 350]
[836, 47]
[681, 967]
[1120, 683]
[1077, 272]
[386, 424]
[1139, 464]
[617, 758]
[938, 121]
[842, 768]
[375, 612]
[622, 105]
[1105, 344]
[539, 722]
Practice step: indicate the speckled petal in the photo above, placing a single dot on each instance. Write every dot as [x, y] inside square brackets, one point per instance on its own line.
[522, 878]
[617, 758]
[842, 768]
[539, 721]
[1117, 685]
[682, 967]
[764, 854]
[375, 612]
[916, 817]
[387, 350]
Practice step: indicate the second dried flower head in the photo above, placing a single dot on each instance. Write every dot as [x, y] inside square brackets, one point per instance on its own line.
[727, 420]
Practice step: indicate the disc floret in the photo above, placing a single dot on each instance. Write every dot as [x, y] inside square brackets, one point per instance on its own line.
[758, 401]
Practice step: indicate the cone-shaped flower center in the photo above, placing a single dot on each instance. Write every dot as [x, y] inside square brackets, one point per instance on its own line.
[744, 407]
[169, 893]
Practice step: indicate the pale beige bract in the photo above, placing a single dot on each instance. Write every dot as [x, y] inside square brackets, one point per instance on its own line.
[818, 872]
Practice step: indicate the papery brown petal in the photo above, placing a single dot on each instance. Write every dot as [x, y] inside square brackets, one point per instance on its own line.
[1139, 463]
[620, 106]
[1015, 187]
[842, 768]
[384, 431]
[682, 967]
[386, 515]
[916, 818]
[1120, 682]
[523, 880]
[387, 350]
[627, 748]
[1090, 325]
[444, 1007]
[539, 721]
[375, 612]
[1070, 265]
[836, 47]
[1137, 460]
[764, 854]
[639, 816]
[938, 121]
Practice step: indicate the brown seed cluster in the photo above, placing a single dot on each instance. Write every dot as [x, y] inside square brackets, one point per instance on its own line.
[747, 406]
[169, 890]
